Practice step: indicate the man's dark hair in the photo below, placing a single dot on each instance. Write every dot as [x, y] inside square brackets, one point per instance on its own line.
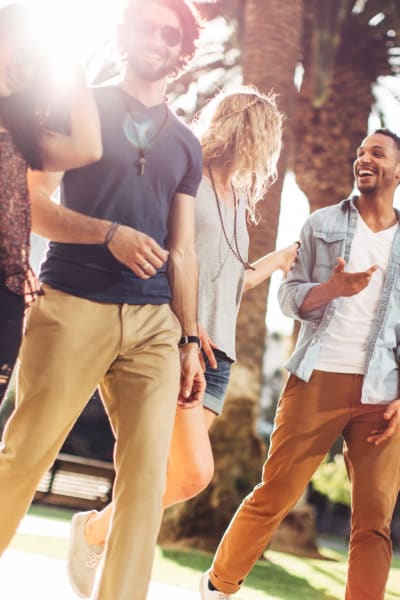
[391, 134]
[188, 17]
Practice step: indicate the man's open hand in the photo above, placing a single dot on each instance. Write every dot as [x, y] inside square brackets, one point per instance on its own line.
[349, 284]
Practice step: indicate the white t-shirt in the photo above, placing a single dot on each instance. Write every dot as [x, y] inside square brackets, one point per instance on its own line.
[344, 344]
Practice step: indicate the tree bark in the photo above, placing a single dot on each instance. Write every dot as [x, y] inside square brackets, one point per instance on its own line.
[327, 137]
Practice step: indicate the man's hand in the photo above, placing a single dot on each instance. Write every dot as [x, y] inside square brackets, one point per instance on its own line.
[193, 382]
[137, 251]
[208, 346]
[341, 283]
[392, 416]
[349, 284]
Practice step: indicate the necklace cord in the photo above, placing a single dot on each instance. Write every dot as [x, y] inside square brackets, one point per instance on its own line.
[142, 145]
[235, 251]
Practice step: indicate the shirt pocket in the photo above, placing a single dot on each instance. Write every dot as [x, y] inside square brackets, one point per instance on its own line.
[329, 245]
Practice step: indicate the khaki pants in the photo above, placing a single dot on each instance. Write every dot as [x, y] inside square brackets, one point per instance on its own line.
[71, 346]
[310, 417]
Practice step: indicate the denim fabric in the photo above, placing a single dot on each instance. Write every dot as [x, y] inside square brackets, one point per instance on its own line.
[217, 382]
[325, 236]
[12, 307]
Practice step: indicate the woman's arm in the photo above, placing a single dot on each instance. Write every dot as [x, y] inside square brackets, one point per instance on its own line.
[264, 267]
[82, 145]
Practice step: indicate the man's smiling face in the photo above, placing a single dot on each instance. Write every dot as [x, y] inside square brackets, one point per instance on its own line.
[152, 42]
[377, 165]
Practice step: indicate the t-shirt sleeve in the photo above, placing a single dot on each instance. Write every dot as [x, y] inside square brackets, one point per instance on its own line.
[191, 181]
[58, 120]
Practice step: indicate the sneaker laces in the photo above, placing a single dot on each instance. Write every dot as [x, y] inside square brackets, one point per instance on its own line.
[93, 558]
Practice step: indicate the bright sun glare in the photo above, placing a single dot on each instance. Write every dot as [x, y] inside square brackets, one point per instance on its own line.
[73, 29]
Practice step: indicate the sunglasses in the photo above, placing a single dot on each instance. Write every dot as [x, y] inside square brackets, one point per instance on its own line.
[171, 36]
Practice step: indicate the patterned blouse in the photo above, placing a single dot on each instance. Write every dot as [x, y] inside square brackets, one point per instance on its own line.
[15, 221]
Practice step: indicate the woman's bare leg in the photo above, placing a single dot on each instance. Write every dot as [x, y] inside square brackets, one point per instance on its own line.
[190, 467]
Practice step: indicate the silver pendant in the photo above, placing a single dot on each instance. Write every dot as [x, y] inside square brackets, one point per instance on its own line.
[141, 163]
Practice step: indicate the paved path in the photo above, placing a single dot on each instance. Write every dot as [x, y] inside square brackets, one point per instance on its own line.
[30, 576]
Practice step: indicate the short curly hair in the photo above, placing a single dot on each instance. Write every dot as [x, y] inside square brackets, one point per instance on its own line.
[391, 134]
[188, 16]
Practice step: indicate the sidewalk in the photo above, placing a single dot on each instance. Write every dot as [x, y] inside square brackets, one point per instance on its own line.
[31, 576]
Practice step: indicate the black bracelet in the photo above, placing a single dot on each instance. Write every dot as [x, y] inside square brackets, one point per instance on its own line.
[189, 339]
[110, 233]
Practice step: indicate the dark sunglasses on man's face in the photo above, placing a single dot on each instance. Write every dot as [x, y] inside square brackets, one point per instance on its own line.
[171, 36]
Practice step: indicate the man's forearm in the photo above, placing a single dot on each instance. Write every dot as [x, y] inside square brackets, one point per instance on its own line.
[61, 224]
[318, 296]
[183, 280]
[341, 283]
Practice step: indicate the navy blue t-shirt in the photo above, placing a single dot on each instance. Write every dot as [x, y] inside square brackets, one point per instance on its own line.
[113, 189]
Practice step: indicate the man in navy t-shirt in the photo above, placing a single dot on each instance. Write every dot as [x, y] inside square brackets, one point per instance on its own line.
[120, 294]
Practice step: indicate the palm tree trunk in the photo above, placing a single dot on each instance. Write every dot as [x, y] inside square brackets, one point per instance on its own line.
[272, 40]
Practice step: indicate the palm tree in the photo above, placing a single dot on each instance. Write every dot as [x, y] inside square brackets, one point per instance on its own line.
[341, 62]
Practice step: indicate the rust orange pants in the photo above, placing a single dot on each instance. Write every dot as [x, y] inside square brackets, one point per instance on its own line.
[309, 419]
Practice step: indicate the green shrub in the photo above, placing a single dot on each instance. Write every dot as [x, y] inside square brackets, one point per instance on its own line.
[331, 480]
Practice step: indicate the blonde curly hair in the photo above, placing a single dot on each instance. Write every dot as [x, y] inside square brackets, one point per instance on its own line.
[240, 131]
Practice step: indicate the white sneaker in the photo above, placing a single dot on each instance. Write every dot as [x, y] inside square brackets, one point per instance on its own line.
[207, 594]
[82, 559]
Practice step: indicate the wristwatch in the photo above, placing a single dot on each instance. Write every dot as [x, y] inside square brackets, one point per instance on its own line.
[189, 339]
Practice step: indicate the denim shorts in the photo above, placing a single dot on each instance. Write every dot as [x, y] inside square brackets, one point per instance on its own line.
[217, 381]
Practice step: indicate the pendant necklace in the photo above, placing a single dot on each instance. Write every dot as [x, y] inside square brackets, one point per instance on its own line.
[144, 144]
[235, 251]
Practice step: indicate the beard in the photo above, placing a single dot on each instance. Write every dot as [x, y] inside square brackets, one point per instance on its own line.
[149, 72]
[367, 189]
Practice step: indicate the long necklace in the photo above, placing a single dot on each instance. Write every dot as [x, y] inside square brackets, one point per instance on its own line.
[143, 143]
[235, 251]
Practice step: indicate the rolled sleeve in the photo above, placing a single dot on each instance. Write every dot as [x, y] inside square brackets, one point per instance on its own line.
[298, 283]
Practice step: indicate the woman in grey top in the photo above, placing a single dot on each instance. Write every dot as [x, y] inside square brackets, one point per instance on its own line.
[240, 132]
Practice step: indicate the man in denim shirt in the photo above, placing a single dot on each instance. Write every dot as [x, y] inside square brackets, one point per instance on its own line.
[345, 376]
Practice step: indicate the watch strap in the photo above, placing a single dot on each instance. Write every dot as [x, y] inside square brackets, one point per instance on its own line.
[189, 339]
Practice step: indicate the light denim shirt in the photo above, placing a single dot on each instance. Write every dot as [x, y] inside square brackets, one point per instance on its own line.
[327, 234]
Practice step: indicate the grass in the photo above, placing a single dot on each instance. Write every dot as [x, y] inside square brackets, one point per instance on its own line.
[280, 577]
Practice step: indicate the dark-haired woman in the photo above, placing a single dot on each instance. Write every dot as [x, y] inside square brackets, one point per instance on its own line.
[28, 100]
